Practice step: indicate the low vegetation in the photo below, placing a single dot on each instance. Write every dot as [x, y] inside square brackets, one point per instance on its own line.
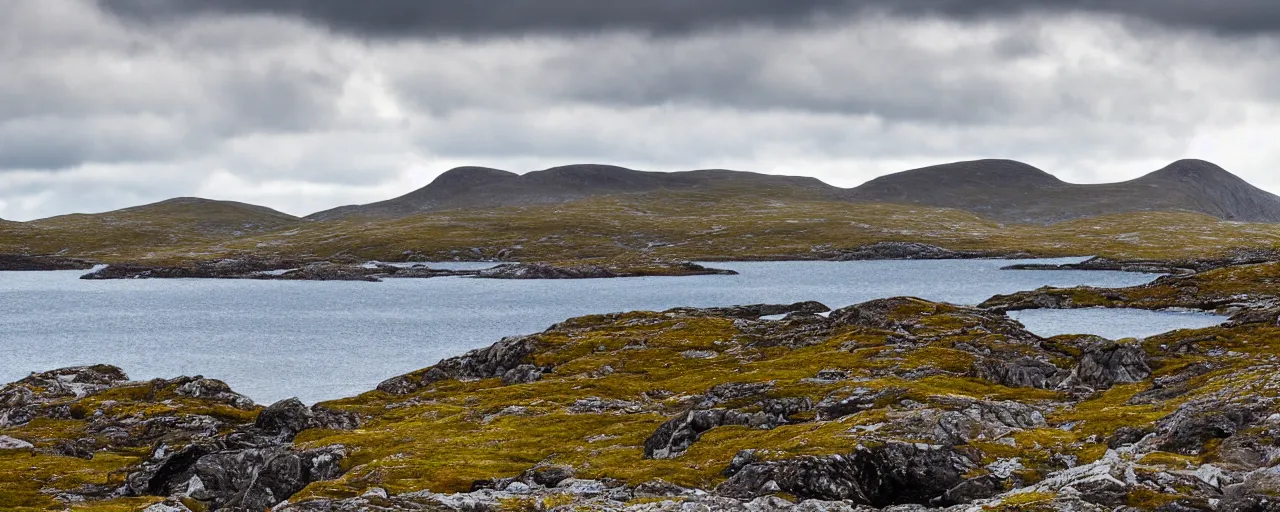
[666, 225]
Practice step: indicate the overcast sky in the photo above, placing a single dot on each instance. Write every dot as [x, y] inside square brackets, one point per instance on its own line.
[305, 105]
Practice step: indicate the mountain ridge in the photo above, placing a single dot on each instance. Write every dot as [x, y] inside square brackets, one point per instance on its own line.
[998, 189]
[1034, 196]
[1003, 190]
[469, 187]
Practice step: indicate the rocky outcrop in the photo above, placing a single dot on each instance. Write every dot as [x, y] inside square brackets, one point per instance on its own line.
[1023, 372]
[243, 479]
[1099, 263]
[21, 262]
[889, 474]
[494, 361]
[286, 418]
[241, 269]
[589, 271]
[1108, 365]
[906, 251]
[755, 311]
[1234, 258]
[954, 421]
[679, 433]
[205, 445]
[1195, 423]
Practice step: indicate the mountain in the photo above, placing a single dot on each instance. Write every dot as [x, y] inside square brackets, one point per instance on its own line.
[470, 187]
[1016, 192]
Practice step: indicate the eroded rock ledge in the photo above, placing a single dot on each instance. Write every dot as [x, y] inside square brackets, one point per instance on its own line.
[897, 404]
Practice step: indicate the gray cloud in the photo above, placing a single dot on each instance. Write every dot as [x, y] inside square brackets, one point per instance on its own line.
[102, 110]
[397, 18]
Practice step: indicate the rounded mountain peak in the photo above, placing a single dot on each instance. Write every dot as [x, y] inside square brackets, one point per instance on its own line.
[980, 173]
[1193, 170]
[470, 176]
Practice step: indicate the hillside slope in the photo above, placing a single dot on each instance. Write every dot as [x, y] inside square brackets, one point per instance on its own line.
[184, 220]
[473, 187]
[1015, 192]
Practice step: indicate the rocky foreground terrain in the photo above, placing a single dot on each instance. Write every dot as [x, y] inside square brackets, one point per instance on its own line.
[897, 404]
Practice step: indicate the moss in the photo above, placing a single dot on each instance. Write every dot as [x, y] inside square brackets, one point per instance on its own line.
[1024, 501]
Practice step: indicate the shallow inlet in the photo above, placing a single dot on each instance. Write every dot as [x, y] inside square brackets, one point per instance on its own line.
[1112, 323]
[325, 340]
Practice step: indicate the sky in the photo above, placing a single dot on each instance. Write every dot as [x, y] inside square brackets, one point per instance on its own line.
[306, 105]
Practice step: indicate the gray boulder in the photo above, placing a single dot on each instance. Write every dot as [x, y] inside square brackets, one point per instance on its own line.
[1108, 365]
[890, 474]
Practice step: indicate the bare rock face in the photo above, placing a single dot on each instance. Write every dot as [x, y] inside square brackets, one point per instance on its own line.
[678, 434]
[212, 389]
[9, 443]
[1187, 429]
[225, 478]
[493, 361]
[522, 374]
[286, 418]
[1108, 365]
[956, 421]
[1023, 372]
[890, 474]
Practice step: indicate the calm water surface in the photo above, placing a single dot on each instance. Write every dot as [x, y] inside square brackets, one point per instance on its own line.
[324, 340]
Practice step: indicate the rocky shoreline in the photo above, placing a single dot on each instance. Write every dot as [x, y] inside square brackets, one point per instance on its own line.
[1179, 267]
[274, 268]
[374, 272]
[19, 262]
[896, 404]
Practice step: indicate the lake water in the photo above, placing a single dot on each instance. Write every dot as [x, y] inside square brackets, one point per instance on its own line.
[325, 340]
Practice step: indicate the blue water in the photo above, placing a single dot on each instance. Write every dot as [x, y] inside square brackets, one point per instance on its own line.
[1112, 323]
[325, 340]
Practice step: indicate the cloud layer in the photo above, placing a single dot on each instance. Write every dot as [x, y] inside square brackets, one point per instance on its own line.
[303, 106]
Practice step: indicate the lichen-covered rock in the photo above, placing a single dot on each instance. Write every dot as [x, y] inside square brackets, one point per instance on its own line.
[213, 389]
[889, 474]
[1108, 365]
[493, 361]
[1195, 423]
[678, 434]
[9, 443]
[955, 421]
[286, 418]
[522, 374]
[1023, 372]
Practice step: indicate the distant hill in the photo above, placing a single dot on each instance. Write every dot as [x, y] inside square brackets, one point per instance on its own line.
[1016, 192]
[174, 223]
[203, 216]
[469, 187]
